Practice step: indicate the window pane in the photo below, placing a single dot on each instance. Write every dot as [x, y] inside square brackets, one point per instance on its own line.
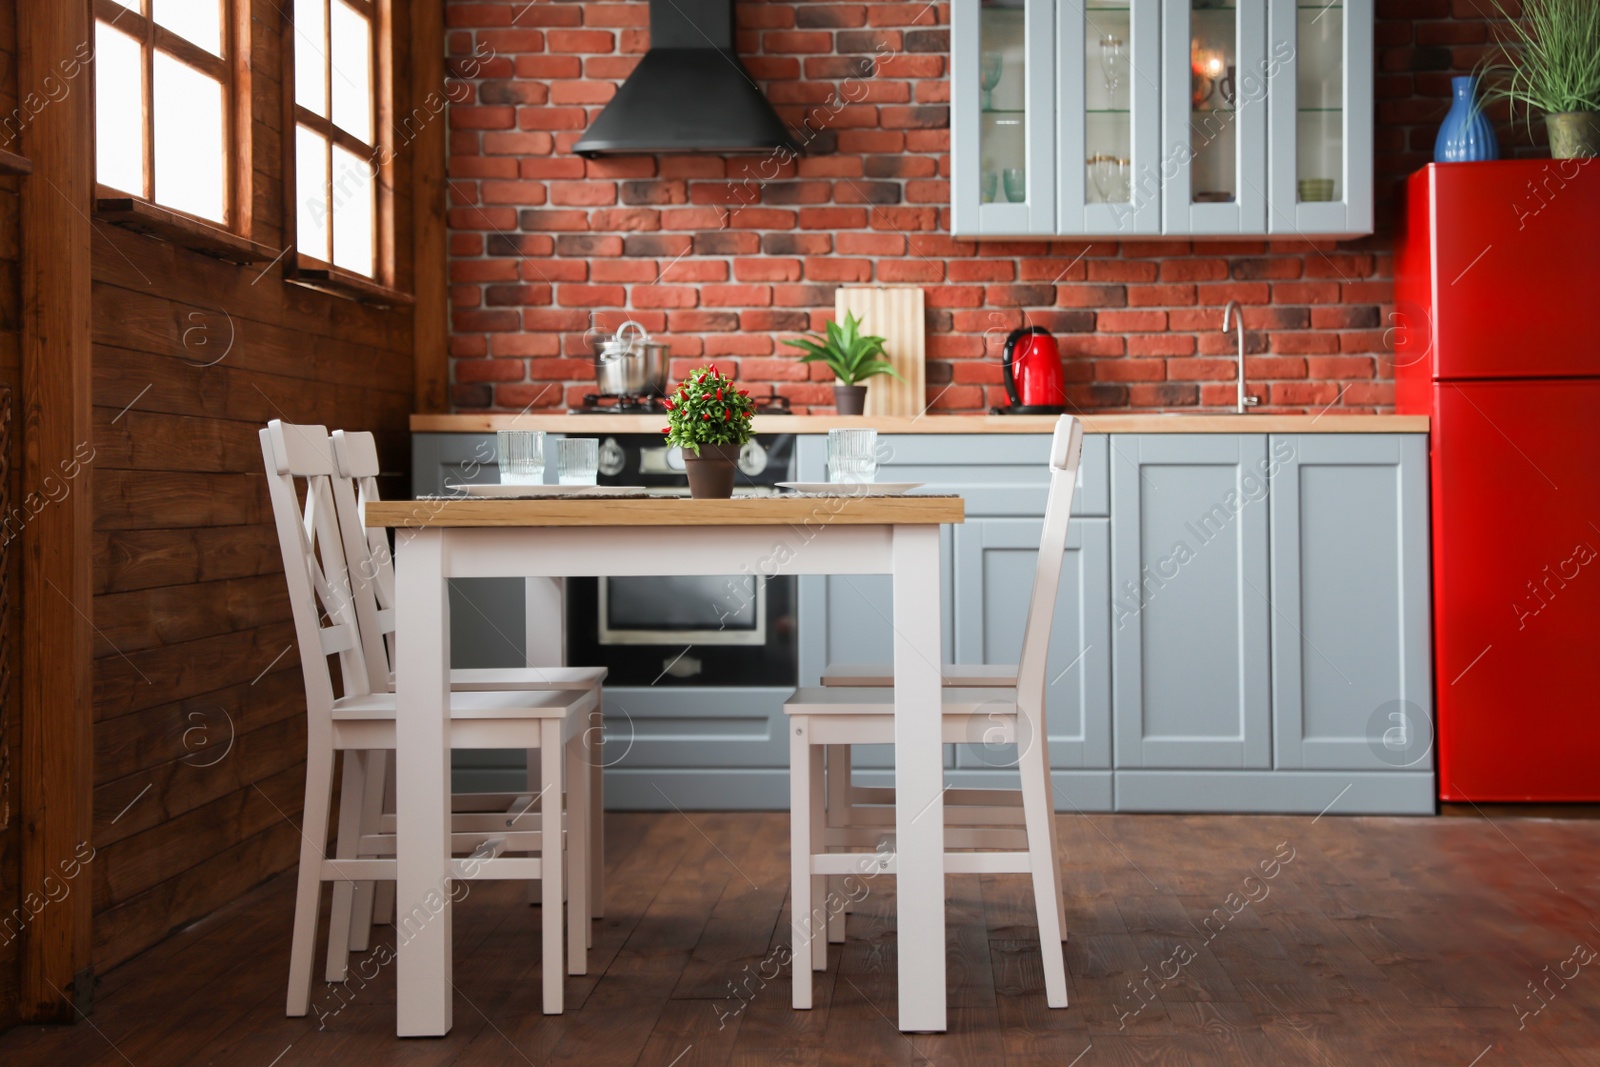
[352, 72]
[191, 162]
[353, 209]
[199, 21]
[119, 110]
[310, 38]
[311, 192]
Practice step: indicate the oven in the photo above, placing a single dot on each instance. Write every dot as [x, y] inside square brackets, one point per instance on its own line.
[673, 630]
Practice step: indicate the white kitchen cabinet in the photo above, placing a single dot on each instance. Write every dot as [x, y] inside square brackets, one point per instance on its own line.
[1185, 118]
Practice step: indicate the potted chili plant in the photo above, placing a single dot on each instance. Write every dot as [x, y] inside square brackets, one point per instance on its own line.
[709, 419]
[852, 356]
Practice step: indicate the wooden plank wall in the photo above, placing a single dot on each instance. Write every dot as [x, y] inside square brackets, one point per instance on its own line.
[10, 378]
[199, 733]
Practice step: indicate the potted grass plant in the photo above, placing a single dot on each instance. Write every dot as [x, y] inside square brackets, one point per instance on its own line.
[852, 356]
[1551, 63]
[709, 418]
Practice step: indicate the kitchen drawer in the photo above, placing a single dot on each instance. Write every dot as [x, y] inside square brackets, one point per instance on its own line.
[999, 475]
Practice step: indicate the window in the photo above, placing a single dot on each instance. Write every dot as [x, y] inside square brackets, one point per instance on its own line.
[338, 172]
[163, 86]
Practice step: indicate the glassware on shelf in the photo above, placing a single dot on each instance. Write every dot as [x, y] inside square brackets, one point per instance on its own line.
[992, 69]
[1113, 66]
[1315, 190]
[1016, 184]
[991, 186]
[1110, 175]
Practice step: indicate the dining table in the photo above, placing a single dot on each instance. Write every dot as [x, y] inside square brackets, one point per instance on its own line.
[854, 532]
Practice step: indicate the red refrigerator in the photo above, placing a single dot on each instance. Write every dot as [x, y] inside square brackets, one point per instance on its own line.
[1497, 338]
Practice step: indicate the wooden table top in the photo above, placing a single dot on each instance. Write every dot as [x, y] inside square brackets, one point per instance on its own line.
[667, 511]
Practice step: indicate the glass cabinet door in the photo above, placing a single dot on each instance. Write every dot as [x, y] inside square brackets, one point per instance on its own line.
[1321, 116]
[1214, 140]
[1110, 105]
[1002, 117]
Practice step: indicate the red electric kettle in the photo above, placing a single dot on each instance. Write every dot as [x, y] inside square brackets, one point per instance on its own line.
[1034, 378]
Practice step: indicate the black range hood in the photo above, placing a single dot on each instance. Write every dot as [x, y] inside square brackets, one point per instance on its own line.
[689, 93]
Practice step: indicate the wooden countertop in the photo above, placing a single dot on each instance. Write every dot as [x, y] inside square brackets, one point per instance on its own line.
[667, 511]
[1115, 423]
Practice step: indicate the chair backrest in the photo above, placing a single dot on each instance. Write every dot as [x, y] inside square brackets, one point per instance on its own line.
[1066, 448]
[355, 485]
[313, 563]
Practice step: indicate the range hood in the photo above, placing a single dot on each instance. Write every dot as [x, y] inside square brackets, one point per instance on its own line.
[689, 93]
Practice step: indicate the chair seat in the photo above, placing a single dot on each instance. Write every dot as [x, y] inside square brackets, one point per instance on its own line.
[839, 700]
[466, 680]
[516, 704]
[956, 675]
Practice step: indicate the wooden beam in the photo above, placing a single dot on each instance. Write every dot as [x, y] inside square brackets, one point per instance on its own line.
[56, 767]
[430, 264]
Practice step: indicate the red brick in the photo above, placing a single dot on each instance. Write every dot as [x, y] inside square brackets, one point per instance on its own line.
[483, 118]
[796, 42]
[1130, 321]
[508, 345]
[685, 271]
[832, 218]
[982, 270]
[735, 295]
[912, 271]
[767, 270]
[1160, 295]
[662, 296]
[1161, 344]
[870, 244]
[1129, 370]
[835, 269]
[738, 344]
[622, 270]
[784, 370]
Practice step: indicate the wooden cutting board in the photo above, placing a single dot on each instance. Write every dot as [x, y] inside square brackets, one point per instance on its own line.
[893, 312]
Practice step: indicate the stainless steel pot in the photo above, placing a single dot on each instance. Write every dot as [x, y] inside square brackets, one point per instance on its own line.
[630, 364]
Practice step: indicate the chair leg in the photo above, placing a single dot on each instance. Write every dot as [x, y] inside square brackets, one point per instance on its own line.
[1039, 816]
[817, 920]
[308, 885]
[838, 815]
[383, 893]
[1056, 852]
[597, 815]
[800, 859]
[352, 796]
[533, 787]
[551, 880]
[361, 912]
[579, 929]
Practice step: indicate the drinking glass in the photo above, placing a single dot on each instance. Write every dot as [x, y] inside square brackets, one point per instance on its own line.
[852, 456]
[1016, 184]
[1113, 66]
[991, 185]
[1100, 171]
[578, 460]
[991, 77]
[521, 457]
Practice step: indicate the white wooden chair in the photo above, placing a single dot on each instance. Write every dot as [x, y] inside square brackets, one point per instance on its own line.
[371, 566]
[359, 722]
[835, 717]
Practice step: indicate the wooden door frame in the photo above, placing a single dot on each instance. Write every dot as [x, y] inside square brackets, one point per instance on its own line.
[56, 764]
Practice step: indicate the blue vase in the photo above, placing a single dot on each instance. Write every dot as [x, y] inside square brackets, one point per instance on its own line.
[1466, 134]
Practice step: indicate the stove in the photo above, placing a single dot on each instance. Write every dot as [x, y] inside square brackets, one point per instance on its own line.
[608, 404]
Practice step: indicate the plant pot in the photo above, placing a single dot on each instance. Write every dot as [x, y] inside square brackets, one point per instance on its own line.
[1574, 134]
[711, 472]
[849, 399]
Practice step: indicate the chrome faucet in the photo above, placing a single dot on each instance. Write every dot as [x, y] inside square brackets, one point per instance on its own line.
[1234, 315]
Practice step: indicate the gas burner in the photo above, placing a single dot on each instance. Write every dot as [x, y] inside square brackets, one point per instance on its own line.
[606, 404]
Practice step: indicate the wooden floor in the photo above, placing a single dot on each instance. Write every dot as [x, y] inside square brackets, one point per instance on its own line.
[1194, 940]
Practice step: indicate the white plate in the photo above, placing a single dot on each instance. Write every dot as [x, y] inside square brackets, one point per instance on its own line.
[852, 488]
[495, 489]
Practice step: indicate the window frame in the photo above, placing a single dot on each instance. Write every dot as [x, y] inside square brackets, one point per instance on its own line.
[230, 70]
[380, 18]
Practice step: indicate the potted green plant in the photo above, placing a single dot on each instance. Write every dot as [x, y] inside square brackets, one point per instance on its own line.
[709, 418]
[852, 356]
[1552, 63]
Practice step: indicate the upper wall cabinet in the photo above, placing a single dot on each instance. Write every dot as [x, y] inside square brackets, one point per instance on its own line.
[1118, 118]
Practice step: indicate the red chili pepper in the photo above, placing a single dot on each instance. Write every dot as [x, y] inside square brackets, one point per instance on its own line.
[706, 416]
[666, 429]
[669, 405]
[744, 392]
[713, 368]
[725, 414]
[700, 379]
[719, 394]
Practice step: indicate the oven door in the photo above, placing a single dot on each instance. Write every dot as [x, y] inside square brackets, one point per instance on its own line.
[733, 630]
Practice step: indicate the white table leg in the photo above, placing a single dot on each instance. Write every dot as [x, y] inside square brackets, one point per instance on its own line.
[918, 778]
[422, 773]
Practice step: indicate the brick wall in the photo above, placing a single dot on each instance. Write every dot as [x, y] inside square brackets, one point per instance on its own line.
[545, 244]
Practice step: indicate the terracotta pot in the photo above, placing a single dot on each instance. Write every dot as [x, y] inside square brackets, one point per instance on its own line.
[711, 472]
[1574, 134]
[849, 399]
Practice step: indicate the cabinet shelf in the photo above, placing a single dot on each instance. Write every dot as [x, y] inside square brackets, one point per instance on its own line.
[1320, 110]
[1004, 111]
